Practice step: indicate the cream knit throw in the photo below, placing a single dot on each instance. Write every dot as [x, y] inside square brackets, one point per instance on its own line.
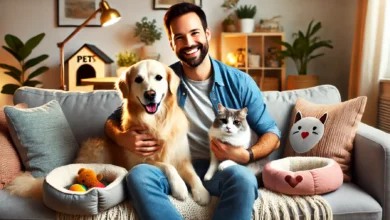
[270, 206]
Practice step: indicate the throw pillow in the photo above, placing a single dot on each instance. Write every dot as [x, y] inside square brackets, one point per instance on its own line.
[10, 164]
[325, 131]
[42, 137]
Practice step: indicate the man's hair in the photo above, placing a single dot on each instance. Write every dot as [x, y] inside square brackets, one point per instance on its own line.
[180, 9]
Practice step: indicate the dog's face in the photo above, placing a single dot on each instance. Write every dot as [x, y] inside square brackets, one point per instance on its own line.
[148, 83]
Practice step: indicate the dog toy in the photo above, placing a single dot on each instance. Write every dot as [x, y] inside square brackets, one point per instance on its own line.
[78, 188]
[88, 178]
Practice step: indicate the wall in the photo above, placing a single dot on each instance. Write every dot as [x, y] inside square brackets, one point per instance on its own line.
[26, 18]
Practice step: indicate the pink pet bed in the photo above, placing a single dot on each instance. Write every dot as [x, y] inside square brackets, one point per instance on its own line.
[302, 175]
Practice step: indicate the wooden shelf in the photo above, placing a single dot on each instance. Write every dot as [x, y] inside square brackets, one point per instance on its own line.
[258, 43]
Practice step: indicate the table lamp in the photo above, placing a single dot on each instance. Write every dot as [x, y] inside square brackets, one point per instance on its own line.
[108, 16]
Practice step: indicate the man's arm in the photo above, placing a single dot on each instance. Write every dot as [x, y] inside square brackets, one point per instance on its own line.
[265, 145]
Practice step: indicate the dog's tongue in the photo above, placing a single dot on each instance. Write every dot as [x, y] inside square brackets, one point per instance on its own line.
[151, 108]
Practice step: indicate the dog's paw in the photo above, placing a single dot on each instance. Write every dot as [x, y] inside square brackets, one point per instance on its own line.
[225, 164]
[179, 189]
[201, 195]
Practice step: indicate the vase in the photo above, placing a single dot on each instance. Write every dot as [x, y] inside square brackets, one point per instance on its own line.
[149, 52]
[301, 81]
[247, 25]
[120, 70]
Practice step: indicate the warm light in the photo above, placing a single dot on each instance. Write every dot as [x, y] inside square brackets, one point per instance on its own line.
[231, 59]
[109, 16]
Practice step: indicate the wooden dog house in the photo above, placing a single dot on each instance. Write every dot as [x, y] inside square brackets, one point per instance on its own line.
[87, 62]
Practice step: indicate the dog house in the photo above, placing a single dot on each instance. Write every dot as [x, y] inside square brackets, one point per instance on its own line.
[88, 62]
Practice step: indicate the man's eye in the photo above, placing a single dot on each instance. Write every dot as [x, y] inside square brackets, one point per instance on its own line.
[195, 33]
[138, 79]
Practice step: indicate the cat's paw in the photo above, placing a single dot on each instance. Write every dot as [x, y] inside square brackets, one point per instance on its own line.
[201, 195]
[208, 176]
[179, 189]
[225, 164]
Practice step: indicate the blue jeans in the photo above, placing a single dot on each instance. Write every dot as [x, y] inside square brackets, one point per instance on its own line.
[149, 189]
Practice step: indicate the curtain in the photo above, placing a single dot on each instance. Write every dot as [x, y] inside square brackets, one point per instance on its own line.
[370, 54]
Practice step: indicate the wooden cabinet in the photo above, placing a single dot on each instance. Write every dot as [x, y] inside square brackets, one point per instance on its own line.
[384, 106]
[255, 48]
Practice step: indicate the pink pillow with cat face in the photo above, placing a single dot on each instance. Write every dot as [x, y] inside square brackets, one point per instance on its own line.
[303, 175]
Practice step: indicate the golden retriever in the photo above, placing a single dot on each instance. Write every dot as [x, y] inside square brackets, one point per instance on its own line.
[148, 90]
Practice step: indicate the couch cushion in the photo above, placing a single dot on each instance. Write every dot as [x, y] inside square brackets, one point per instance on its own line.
[86, 112]
[281, 104]
[42, 137]
[351, 202]
[14, 207]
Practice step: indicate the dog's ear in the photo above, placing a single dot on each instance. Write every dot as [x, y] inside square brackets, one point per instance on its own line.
[123, 83]
[173, 80]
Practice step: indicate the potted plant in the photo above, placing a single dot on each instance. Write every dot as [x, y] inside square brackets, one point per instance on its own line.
[20, 51]
[246, 15]
[124, 60]
[229, 25]
[301, 52]
[148, 33]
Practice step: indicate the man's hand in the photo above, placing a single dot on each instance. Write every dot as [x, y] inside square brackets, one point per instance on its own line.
[138, 141]
[227, 152]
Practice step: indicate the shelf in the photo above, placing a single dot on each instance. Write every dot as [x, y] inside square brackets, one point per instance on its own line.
[239, 34]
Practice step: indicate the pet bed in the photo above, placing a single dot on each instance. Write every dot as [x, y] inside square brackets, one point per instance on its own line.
[57, 196]
[303, 175]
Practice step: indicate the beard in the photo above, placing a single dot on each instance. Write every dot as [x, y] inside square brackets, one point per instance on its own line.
[194, 61]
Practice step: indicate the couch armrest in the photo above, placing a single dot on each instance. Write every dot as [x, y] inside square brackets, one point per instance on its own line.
[371, 162]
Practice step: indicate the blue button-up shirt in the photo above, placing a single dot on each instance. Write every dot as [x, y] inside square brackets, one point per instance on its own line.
[234, 89]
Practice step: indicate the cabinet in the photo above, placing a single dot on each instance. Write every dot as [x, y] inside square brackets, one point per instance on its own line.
[253, 54]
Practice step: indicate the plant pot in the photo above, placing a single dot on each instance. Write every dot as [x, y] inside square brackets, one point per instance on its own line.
[301, 81]
[120, 70]
[149, 52]
[229, 28]
[247, 25]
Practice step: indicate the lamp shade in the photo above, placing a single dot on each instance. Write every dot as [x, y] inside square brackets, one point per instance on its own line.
[108, 15]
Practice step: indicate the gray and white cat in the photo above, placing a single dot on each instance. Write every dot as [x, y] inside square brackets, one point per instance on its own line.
[231, 127]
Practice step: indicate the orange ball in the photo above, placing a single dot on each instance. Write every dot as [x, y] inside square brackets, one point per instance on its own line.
[78, 188]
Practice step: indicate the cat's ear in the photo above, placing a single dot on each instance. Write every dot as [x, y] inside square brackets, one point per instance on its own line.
[243, 112]
[324, 118]
[220, 107]
[298, 117]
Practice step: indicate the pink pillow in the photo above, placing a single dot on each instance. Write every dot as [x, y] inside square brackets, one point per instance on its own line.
[10, 164]
[303, 175]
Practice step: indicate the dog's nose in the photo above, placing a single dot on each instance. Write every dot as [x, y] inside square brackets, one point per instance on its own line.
[150, 95]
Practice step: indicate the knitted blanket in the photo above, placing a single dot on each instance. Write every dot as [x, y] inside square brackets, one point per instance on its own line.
[269, 206]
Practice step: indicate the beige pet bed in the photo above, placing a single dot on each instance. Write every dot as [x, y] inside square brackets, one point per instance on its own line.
[57, 197]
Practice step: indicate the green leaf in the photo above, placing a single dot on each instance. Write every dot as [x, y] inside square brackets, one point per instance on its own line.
[24, 52]
[35, 61]
[34, 41]
[13, 42]
[309, 28]
[10, 68]
[37, 72]
[13, 75]
[315, 28]
[9, 89]
[16, 55]
[31, 83]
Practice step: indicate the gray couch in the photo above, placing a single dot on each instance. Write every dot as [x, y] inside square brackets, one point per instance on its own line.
[367, 197]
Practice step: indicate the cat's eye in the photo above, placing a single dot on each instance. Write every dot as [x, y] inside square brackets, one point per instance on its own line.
[314, 128]
[158, 77]
[299, 127]
[138, 79]
[223, 120]
[236, 122]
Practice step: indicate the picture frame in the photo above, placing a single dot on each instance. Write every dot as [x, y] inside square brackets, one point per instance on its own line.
[72, 13]
[166, 4]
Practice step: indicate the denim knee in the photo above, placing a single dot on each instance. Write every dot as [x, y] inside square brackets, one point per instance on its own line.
[141, 174]
[243, 179]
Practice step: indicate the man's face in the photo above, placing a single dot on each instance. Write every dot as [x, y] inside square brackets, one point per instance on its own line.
[188, 39]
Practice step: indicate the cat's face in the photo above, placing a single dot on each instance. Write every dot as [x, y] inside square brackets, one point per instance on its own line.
[230, 121]
[306, 132]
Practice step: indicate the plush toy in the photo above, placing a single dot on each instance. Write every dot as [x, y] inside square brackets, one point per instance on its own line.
[88, 178]
[78, 188]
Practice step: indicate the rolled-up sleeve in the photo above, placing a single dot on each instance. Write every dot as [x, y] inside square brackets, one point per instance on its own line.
[258, 117]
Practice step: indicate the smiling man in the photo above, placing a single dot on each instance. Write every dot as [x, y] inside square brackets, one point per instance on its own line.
[205, 82]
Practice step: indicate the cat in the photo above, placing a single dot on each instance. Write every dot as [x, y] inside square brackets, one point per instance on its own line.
[230, 126]
[306, 132]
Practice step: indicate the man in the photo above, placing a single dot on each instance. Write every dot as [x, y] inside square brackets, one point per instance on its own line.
[205, 82]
